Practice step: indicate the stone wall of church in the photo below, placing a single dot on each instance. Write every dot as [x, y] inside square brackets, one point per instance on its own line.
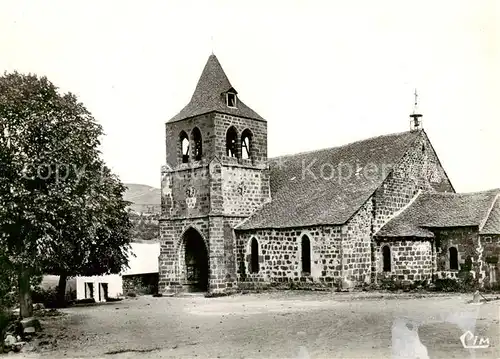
[474, 254]
[186, 192]
[218, 235]
[280, 255]
[411, 260]
[419, 169]
[419, 259]
[336, 252]
[230, 250]
[171, 264]
[491, 254]
[356, 246]
[464, 239]
[221, 254]
[244, 190]
[212, 195]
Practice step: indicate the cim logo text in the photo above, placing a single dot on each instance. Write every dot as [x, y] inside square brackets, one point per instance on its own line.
[471, 341]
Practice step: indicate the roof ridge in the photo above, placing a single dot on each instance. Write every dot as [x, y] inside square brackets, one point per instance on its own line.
[340, 146]
[463, 194]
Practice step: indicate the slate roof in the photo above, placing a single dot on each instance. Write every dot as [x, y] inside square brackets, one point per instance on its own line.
[301, 196]
[209, 95]
[492, 224]
[442, 210]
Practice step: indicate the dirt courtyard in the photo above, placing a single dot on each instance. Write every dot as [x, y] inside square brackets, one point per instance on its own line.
[278, 325]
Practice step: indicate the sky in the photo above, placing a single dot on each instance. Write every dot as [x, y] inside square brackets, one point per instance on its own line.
[322, 73]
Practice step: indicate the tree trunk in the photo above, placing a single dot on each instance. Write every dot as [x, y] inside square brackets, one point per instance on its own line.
[61, 291]
[2, 338]
[25, 301]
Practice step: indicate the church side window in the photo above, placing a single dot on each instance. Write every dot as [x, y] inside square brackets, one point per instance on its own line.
[254, 256]
[184, 147]
[231, 142]
[386, 258]
[306, 255]
[453, 252]
[246, 144]
[197, 144]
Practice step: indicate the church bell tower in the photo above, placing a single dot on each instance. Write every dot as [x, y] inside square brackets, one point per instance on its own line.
[215, 176]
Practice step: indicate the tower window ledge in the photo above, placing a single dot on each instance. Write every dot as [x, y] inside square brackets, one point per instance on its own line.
[247, 161]
[231, 160]
[188, 166]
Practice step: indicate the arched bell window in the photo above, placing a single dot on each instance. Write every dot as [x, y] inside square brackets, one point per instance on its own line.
[184, 142]
[246, 144]
[231, 142]
[197, 144]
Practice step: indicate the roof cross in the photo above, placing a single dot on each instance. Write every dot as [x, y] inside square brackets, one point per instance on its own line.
[415, 117]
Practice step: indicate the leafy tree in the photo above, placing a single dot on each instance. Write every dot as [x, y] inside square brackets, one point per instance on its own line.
[60, 207]
[96, 238]
[145, 226]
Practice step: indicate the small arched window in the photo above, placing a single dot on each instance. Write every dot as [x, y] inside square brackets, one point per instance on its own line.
[231, 141]
[246, 144]
[197, 144]
[386, 258]
[184, 147]
[306, 254]
[453, 252]
[254, 256]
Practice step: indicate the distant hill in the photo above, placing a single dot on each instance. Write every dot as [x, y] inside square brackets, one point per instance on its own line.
[145, 198]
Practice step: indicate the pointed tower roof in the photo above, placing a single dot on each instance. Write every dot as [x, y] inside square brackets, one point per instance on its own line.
[209, 95]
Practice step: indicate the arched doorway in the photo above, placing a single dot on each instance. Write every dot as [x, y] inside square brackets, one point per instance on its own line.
[196, 261]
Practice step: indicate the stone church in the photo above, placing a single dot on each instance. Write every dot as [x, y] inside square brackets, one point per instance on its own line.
[369, 211]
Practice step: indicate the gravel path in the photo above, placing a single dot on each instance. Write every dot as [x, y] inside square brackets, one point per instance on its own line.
[276, 325]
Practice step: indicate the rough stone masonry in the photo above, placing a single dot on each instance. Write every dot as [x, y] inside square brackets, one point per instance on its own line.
[369, 211]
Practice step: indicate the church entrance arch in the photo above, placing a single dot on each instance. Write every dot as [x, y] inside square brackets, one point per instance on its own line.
[195, 261]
